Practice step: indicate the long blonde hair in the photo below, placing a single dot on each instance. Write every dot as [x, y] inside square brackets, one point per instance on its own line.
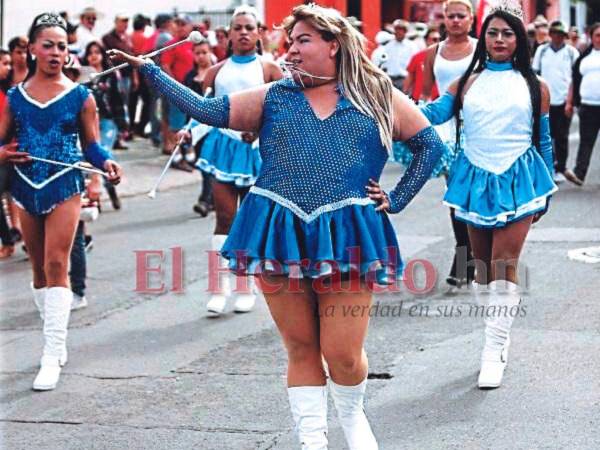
[366, 86]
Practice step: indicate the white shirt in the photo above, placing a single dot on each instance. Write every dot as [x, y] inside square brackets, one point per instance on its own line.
[555, 67]
[590, 81]
[497, 120]
[84, 37]
[398, 56]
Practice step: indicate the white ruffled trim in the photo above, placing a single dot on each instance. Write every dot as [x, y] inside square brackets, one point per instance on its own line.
[239, 179]
[45, 182]
[49, 102]
[537, 204]
[317, 212]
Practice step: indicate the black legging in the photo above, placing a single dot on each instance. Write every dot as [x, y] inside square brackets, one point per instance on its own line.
[461, 269]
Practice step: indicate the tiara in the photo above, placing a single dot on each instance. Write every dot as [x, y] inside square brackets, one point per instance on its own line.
[51, 19]
[512, 7]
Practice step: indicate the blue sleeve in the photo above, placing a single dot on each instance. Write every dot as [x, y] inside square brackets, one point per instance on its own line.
[546, 143]
[427, 148]
[439, 111]
[211, 111]
[97, 155]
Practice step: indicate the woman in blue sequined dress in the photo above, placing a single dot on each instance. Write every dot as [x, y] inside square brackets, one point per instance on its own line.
[47, 114]
[316, 213]
[503, 181]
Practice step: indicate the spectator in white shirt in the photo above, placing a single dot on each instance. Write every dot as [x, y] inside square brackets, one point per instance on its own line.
[85, 30]
[554, 62]
[399, 51]
[585, 94]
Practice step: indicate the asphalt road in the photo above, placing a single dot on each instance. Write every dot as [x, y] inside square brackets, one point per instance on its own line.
[151, 371]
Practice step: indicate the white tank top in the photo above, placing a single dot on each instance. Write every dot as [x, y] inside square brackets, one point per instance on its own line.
[498, 120]
[234, 77]
[446, 71]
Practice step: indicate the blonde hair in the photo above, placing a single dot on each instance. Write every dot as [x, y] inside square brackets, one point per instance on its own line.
[366, 86]
[466, 3]
[243, 10]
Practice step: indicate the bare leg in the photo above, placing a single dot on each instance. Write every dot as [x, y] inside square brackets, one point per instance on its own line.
[506, 249]
[61, 225]
[345, 318]
[481, 243]
[296, 317]
[34, 237]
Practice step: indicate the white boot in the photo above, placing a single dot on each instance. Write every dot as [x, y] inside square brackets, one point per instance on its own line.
[309, 409]
[57, 310]
[38, 298]
[244, 302]
[348, 401]
[502, 308]
[218, 301]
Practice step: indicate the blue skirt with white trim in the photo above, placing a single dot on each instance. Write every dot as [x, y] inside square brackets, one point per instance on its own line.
[484, 199]
[229, 160]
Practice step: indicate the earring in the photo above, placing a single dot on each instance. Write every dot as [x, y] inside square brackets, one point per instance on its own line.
[32, 57]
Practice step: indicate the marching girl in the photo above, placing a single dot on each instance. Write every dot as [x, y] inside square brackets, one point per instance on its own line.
[325, 137]
[47, 113]
[232, 157]
[502, 182]
[444, 63]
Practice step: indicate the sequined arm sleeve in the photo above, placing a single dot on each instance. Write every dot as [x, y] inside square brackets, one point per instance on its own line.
[97, 155]
[440, 110]
[427, 148]
[546, 143]
[211, 111]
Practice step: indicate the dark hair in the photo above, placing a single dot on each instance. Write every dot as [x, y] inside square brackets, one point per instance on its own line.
[88, 49]
[521, 62]
[18, 41]
[429, 31]
[54, 20]
[5, 84]
[139, 22]
[161, 19]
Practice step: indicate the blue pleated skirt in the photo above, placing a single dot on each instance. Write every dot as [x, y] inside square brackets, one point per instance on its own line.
[229, 160]
[487, 200]
[267, 237]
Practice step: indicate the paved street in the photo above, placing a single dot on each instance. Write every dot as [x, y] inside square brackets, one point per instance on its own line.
[150, 371]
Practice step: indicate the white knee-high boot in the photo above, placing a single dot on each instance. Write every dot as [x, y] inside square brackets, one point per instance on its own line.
[39, 295]
[57, 309]
[218, 301]
[244, 302]
[502, 308]
[349, 402]
[309, 410]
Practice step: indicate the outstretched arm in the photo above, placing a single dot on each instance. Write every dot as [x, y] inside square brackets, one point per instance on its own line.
[240, 111]
[427, 148]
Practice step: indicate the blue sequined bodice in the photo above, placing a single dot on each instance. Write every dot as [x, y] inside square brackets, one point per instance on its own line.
[47, 130]
[316, 164]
